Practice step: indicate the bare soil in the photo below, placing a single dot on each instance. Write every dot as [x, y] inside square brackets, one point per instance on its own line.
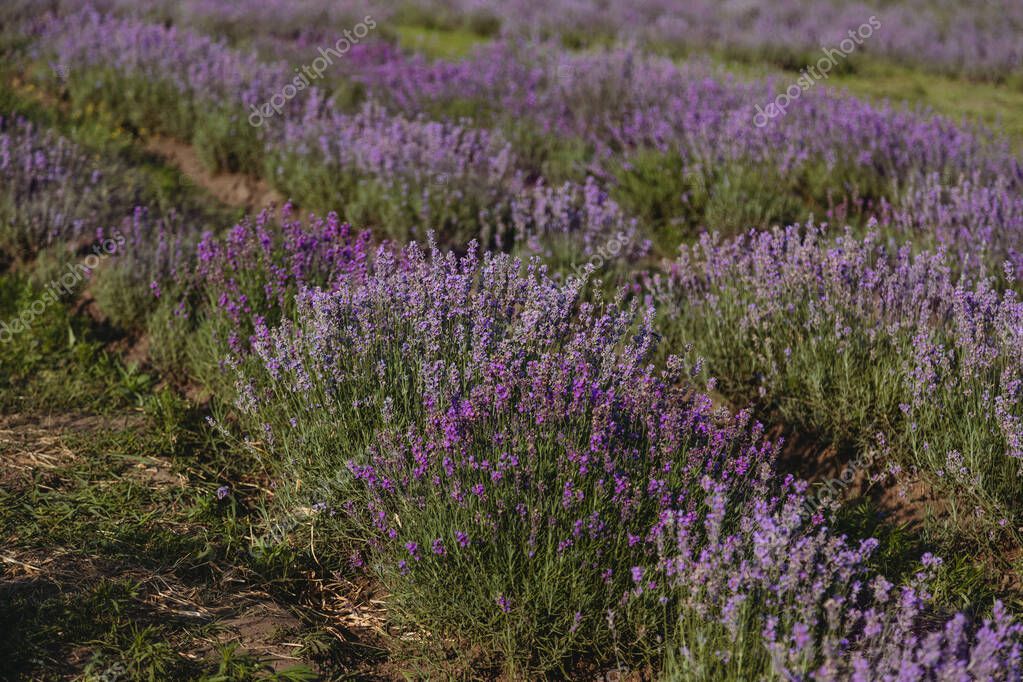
[233, 189]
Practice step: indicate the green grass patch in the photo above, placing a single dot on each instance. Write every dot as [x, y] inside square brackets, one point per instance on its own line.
[997, 106]
[438, 43]
[57, 361]
[118, 519]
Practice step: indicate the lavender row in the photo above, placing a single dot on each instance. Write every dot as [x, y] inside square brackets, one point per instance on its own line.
[656, 102]
[984, 41]
[866, 343]
[519, 476]
[393, 168]
[979, 40]
[50, 189]
[621, 100]
[405, 173]
[923, 176]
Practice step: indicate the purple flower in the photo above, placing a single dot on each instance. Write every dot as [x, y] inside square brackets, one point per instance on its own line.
[504, 603]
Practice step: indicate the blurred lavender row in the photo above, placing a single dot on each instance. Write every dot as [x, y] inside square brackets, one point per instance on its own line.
[621, 100]
[615, 104]
[52, 191]
[979, 40]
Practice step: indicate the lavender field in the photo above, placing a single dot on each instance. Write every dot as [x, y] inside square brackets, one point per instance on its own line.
[464, 339]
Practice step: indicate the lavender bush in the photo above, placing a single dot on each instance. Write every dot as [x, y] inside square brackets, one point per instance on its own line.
[519, 477]
[851, 339]
[225, 286]
[978, 223]
[259, 266]
[762, 596]
[51, 190]
[156, 248]
[167, 80]
[495, 442]
[406, 175]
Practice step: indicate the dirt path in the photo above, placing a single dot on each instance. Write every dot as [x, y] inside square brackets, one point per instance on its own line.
[233, 189]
